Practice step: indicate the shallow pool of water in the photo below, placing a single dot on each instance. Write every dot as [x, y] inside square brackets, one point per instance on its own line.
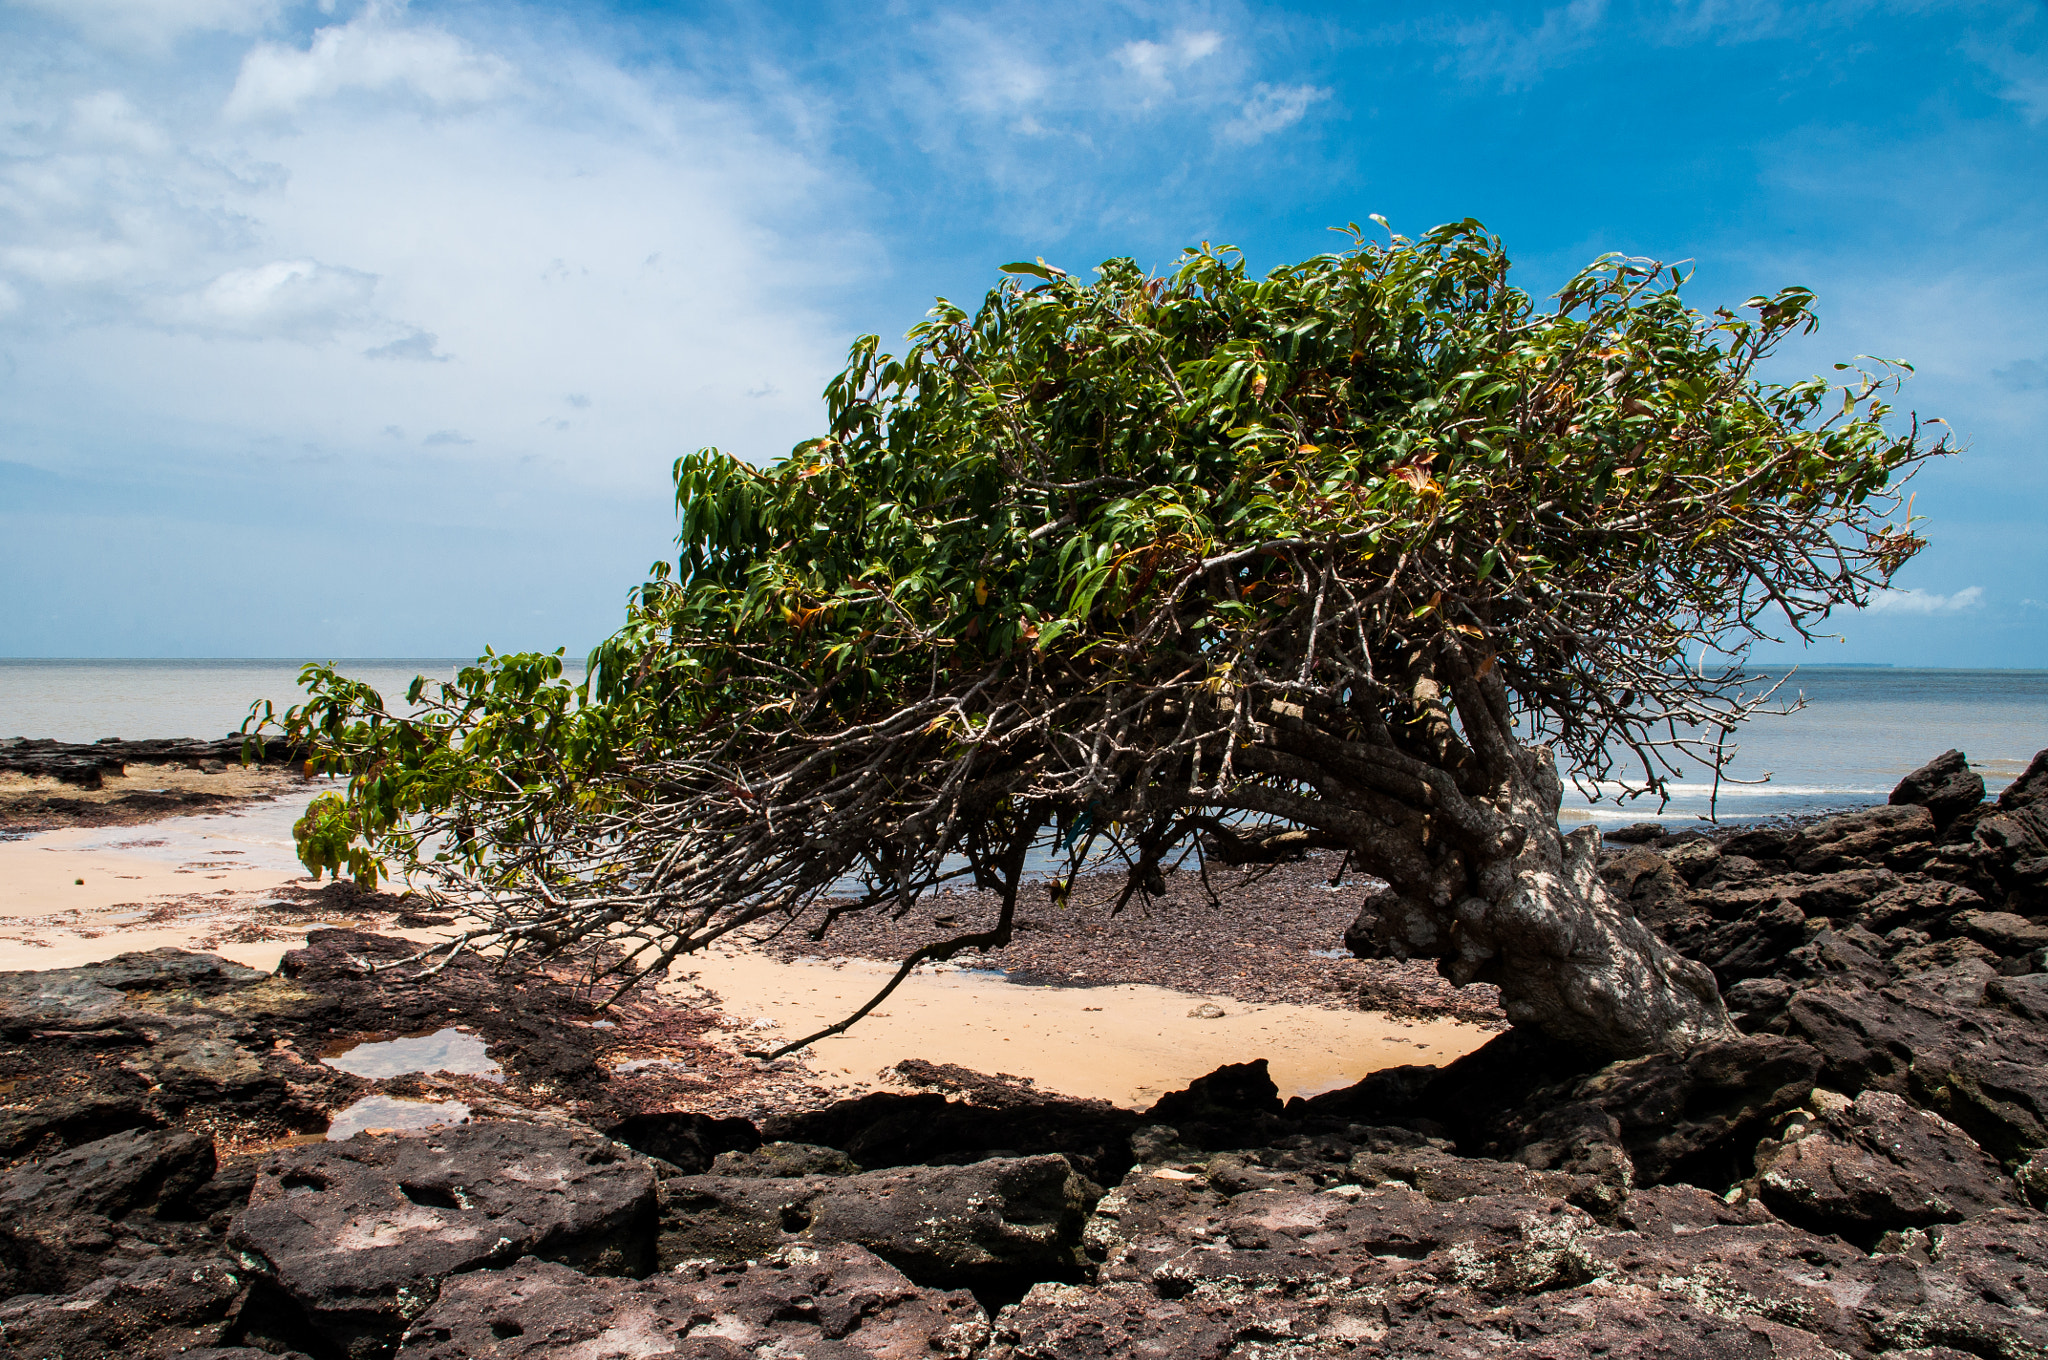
[390, 1113]
[453, 1051]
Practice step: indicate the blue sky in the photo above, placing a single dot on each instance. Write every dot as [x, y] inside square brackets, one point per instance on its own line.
[347, 329]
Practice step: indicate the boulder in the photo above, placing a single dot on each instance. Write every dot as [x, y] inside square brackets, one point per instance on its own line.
[358, 1235]
[1979, 1290]
[837, 1302]
[163, 1307]
[1946, 786]
[2001, 931]
[987, 1224]
[1889, 835]
[1874, 1164]
[96, 1208]
[781, 1161]
[1700, 1114]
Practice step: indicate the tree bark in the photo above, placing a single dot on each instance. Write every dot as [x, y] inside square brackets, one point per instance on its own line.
[1539, 923]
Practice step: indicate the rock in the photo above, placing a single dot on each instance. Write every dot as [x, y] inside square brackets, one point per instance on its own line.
[2032, 1178]
[358, 1235]
[94, 996]
[2026, 997]
[94, 1210]
[1882, 835]
[1979, 1292]
[1701, 1114]
[835, 1303]
[1754, 996]
[1636, 833]
[783, 1161]
[1946, 786]
[166, 1306]
[1983, 1069]
[1940, 954]
[988, 1224]
[994, 1119]
[1864, 1167]
[1917, 901]
[689, 1142]
[72, 1120]
[2001, 931]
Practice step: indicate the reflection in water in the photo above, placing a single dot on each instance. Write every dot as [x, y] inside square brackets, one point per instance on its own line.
[386, 1113]
[445, 1050]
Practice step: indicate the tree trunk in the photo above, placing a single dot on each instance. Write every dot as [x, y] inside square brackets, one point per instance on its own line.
[1540, 924]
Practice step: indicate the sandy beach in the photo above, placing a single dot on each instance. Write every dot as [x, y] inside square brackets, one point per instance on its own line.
[230, 885]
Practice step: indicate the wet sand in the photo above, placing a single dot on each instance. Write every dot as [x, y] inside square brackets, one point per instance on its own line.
[230, 885]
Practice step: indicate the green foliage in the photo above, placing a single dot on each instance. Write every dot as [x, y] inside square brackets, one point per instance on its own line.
[1109, 558]
[328, 840]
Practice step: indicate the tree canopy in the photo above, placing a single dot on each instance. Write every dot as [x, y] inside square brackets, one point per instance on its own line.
[1126, 561]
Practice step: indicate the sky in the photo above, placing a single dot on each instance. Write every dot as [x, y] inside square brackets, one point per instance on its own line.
[372, 329]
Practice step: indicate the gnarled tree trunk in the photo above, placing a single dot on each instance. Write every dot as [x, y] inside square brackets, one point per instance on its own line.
[1461, 820]
[1567, 957]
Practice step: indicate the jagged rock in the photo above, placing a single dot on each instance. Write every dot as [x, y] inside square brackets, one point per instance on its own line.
[1881, 835]
[1946, 786]
[162, 1307]
[1982, 1069]
[94, 995]
[1917, 900]
[987, 1223]
[1979, 1291]
[1001, 1119]
[785, 1160]
[2026, 997]
[1863, 1167]
[72, 1120]
[2001, 931]
[835, 1303]
[358, 1235]
[95, 1209]
[1703, 1111]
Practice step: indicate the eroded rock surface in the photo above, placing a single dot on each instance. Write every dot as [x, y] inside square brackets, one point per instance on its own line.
[837, 1302]
[358, 1235]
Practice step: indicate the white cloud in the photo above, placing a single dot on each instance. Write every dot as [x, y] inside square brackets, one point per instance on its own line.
[1155, 63]
[155, 23]
[1271, 109]
[2022, 76]
[369, 53]
[289, 299]
[1926, 601]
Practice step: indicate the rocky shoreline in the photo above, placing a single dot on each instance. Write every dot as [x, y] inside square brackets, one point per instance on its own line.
[1859, 1173]
[48, 785]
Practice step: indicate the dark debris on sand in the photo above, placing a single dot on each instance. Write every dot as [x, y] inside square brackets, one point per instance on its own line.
[1270, 934]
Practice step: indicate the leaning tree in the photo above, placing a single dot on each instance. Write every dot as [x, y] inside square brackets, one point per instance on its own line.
[1369, 546]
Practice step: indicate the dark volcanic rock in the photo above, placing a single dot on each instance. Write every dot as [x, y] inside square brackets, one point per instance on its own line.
[97, 1208]
[358, 1235]
[1006, 1221]
[688, 1142]
[1864, 1167]
[93, 996]
[836, 1303]
[1881, 835]
[785, 1160]
[1946, 786]
[163, 1307]
[1979, 1292]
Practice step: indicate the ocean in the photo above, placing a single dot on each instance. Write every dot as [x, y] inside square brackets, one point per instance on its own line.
[1861, 729]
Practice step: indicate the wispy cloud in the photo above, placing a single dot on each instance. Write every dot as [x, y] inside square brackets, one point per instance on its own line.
[154, 24]
[1271, 109]
[1158, 63]
[1927, 602]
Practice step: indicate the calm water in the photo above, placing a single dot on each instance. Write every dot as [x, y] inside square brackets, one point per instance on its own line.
[1861, 730]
